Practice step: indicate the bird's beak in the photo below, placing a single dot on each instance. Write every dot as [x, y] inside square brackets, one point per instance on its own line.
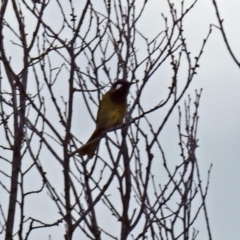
[134, 82]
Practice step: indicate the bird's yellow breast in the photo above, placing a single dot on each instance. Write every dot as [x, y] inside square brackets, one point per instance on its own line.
[110, 114]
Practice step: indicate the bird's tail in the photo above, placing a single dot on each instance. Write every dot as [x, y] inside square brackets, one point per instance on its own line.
[92, 144]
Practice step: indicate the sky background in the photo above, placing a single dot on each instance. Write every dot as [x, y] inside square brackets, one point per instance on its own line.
[219, 128]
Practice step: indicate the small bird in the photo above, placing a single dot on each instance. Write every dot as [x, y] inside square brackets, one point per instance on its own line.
[111, 111]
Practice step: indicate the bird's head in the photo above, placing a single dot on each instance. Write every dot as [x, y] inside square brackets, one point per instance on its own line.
[119, 90]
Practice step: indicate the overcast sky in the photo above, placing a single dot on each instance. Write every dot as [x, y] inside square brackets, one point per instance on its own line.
[219, 128]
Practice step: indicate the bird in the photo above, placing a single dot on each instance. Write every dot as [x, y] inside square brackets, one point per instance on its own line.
[111, 112]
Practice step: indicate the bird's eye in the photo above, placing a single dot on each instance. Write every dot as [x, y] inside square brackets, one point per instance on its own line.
[118, 86]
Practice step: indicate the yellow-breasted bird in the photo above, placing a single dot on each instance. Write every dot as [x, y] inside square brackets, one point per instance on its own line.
[111, 111]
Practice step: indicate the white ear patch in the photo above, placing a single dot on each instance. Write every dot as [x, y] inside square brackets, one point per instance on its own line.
[118, 86]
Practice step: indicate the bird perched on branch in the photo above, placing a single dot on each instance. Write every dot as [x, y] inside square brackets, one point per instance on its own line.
[111, 111]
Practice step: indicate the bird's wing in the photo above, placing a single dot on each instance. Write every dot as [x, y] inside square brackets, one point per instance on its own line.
[101, 115]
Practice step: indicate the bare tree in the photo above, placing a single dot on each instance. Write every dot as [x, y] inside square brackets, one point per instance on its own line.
[224, 35]
[57, 59]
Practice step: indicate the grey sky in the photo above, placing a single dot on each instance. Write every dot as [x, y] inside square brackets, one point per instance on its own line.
[219, 128]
